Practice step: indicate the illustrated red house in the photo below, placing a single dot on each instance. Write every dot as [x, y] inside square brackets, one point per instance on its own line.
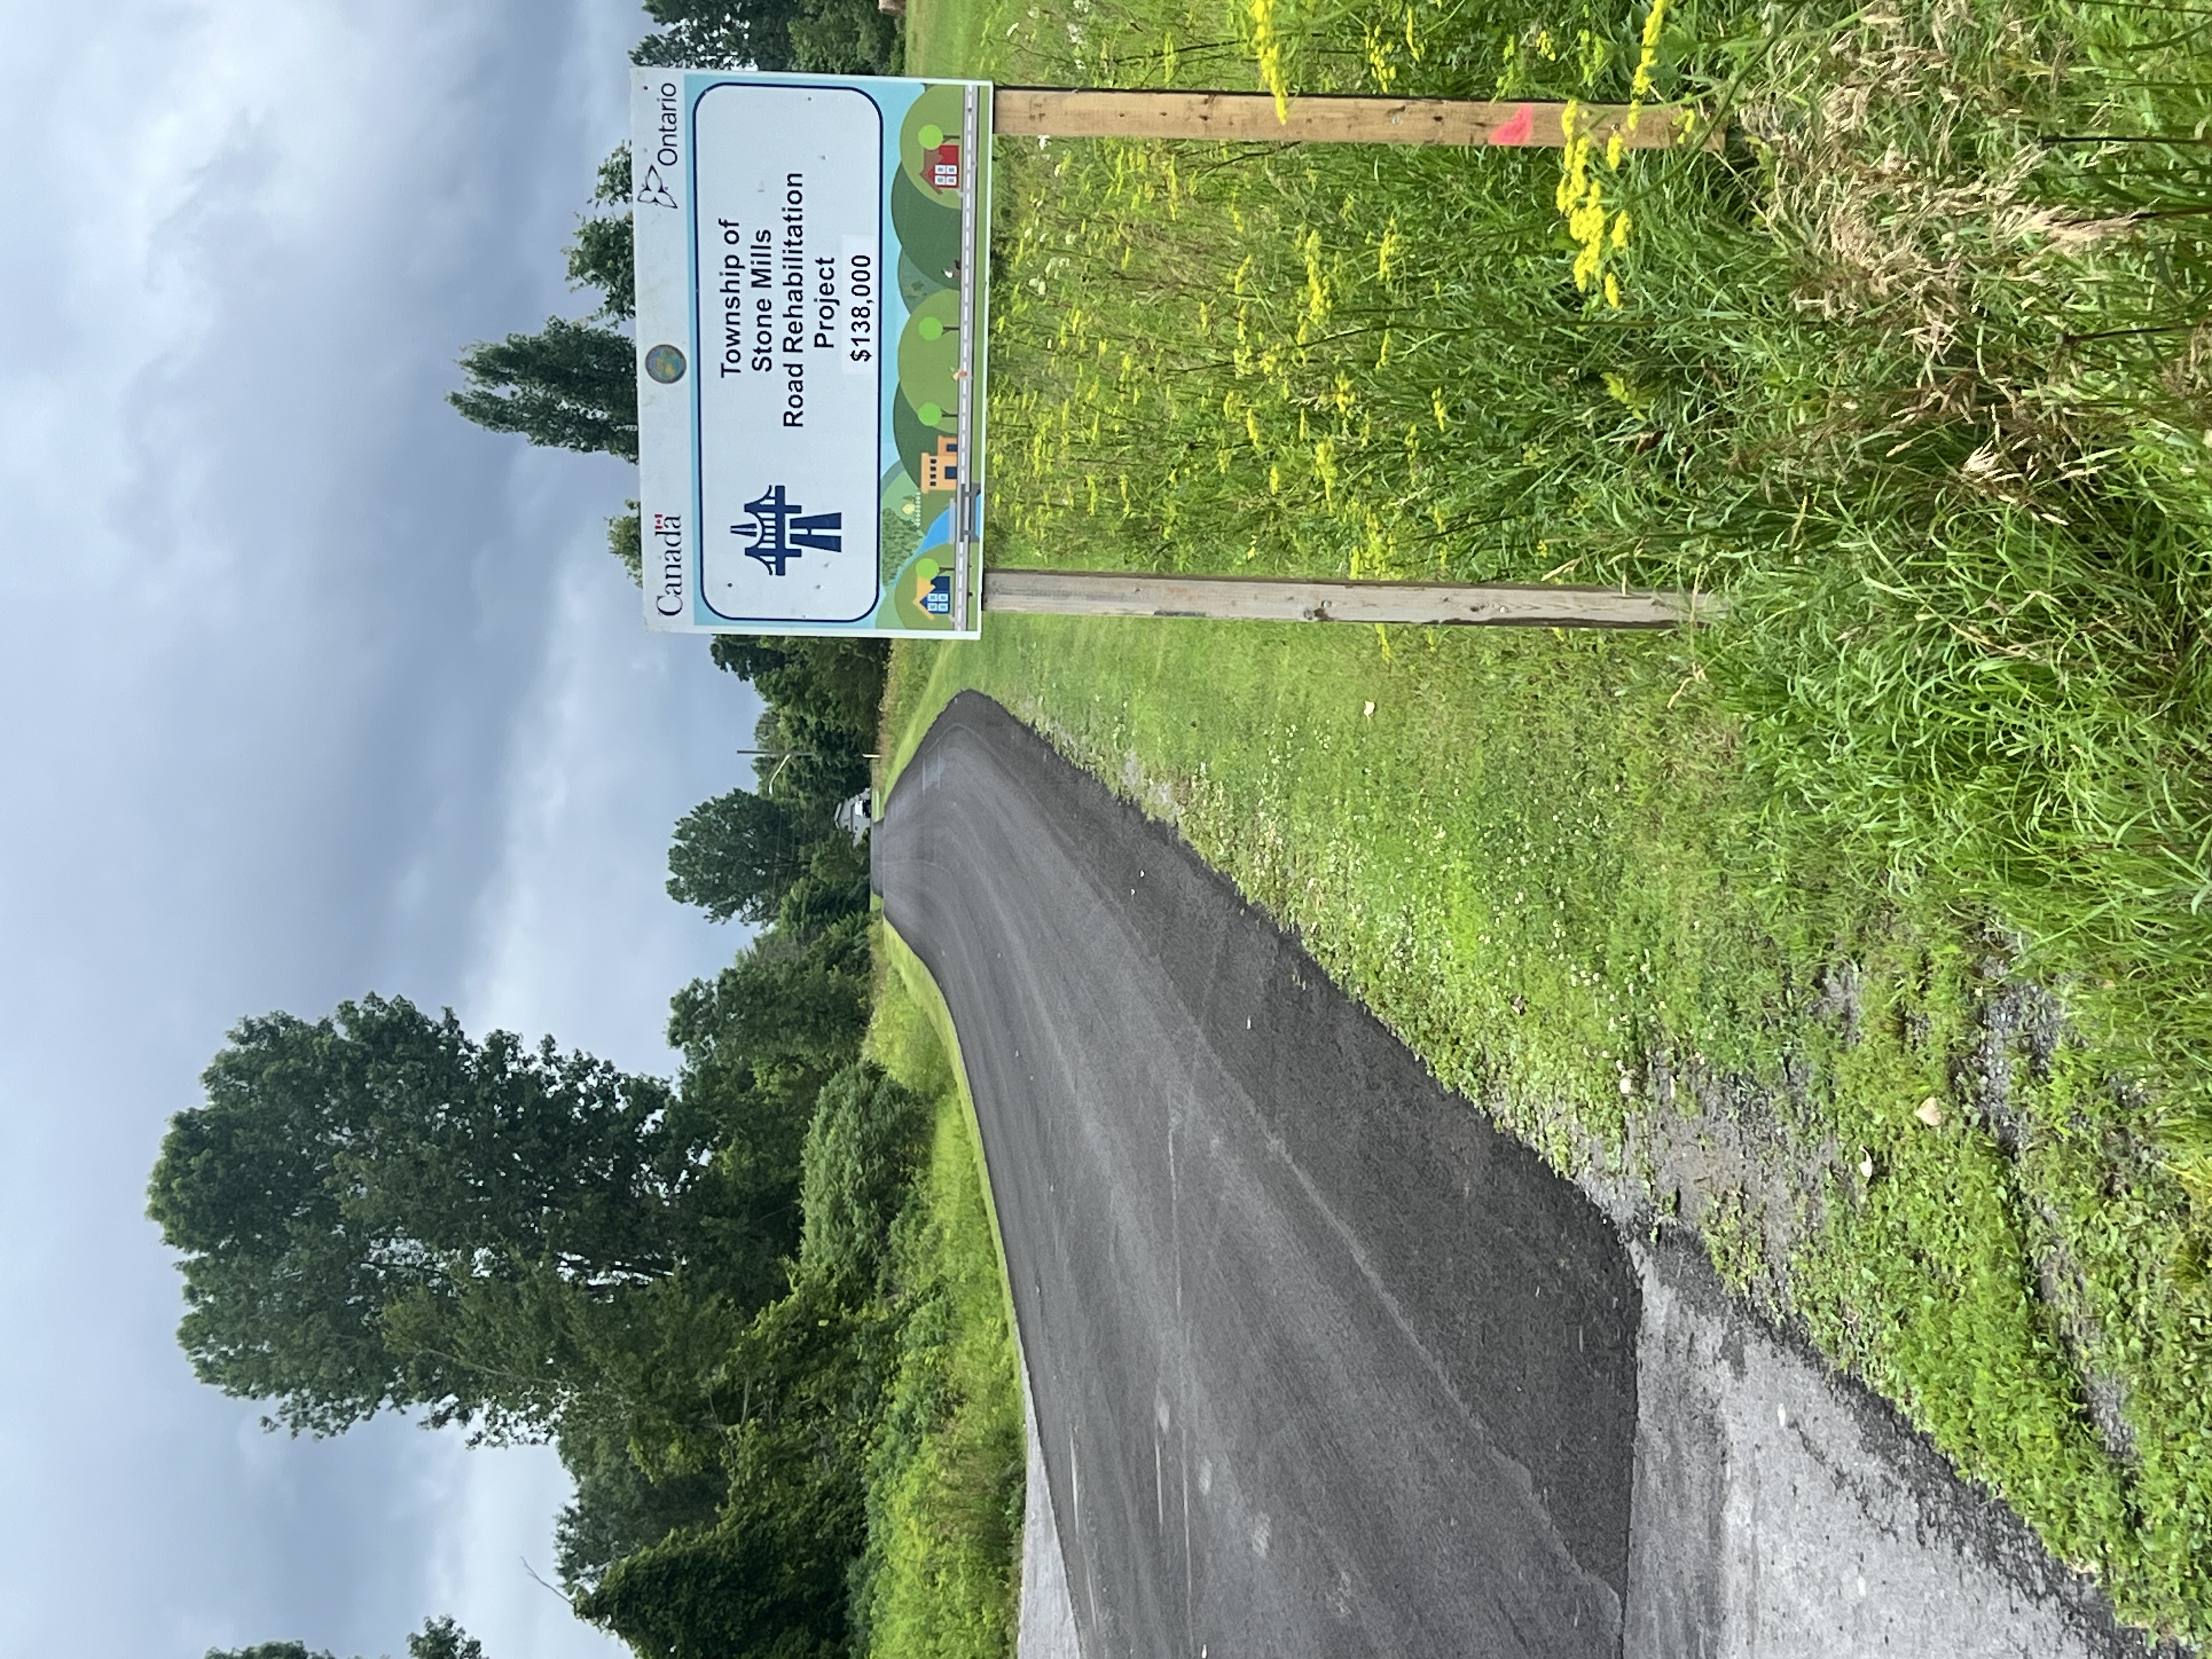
[941, 166]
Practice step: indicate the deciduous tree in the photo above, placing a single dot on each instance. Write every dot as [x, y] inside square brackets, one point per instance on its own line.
[374, 1211]
[737, 854]
[799, 1394]
[602, 253]
[441, 1638]
[829, 679]
[721, 33]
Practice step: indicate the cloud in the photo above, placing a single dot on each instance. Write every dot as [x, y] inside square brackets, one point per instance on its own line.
[314, 688]
[611, 744]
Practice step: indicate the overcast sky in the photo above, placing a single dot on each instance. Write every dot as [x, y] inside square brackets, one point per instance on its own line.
[310, 689]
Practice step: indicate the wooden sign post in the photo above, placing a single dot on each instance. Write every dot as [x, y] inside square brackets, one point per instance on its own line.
[1254, 117]
[1246, 117]
[1261, 598]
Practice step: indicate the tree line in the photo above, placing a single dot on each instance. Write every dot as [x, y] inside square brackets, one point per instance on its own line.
[439, 1638]
[676, 1281]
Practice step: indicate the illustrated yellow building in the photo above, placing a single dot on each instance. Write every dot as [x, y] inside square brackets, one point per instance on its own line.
[940, 469]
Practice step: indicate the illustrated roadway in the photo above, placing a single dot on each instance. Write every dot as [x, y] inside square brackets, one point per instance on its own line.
[1319, 1362]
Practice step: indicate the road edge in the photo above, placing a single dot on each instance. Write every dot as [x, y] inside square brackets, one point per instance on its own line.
[1046, 1627]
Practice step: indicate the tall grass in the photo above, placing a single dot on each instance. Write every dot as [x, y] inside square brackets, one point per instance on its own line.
[1918, 371]
[1984, 662]
[942, 1574]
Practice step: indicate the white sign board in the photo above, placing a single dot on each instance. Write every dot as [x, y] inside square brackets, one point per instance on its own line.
[811, 283]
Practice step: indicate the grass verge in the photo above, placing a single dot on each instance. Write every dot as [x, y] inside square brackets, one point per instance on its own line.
[946, 40]
[1866, 933]
[942, 1572]
[1542, 863]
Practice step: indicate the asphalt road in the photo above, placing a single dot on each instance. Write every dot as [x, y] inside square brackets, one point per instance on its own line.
[1322, 1364]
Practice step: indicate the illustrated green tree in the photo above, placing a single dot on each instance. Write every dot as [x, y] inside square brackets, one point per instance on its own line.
[570, 386]
[374, 1211]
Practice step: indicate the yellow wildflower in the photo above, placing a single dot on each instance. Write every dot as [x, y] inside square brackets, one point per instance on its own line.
[1387, 253]
[1648, 58]
[1325, 467]
[1268, 47]
[1316, 284]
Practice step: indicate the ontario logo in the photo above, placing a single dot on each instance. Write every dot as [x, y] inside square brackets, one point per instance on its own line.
[777, 529]
[666, 152]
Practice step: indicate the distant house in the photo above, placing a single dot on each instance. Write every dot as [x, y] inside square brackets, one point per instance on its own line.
[854, 816]
[941, 468]
[941, 166]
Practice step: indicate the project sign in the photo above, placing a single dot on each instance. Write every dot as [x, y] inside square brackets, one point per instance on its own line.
[810, 286]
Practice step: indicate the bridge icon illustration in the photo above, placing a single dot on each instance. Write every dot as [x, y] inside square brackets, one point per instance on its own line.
[778, 529]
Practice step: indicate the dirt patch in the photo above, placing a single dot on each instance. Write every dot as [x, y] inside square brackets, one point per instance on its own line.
[2021, 1025]
[1740, 1165]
